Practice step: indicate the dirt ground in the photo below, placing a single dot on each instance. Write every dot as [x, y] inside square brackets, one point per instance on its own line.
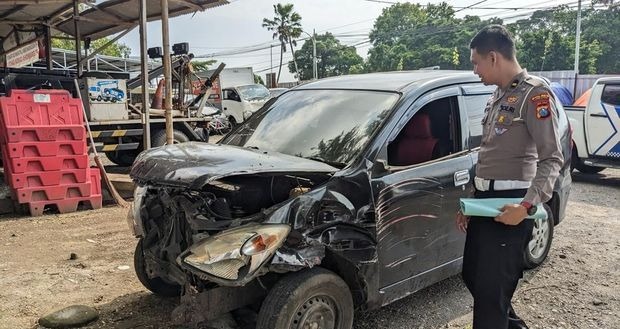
[578, 286]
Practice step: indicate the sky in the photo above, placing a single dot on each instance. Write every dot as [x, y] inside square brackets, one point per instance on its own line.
[218, 31]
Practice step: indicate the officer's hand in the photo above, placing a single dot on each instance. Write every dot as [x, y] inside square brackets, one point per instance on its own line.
[461, 221]
[512, 214]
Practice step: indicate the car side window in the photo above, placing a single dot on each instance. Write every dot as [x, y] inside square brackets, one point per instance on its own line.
[611, 95]
[433, 132]
[475, 105]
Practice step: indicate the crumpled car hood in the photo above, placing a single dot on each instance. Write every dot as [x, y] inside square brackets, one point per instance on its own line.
[197, 163]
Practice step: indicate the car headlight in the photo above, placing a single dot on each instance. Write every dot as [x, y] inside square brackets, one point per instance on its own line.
[238, 251]
[133, 217]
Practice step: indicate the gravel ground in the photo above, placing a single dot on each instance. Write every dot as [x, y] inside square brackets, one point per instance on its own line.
[578, 286]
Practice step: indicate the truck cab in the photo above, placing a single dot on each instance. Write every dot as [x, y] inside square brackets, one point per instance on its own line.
[596, 128]
[240, 102]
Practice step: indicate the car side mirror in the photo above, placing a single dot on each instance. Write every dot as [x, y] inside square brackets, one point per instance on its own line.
[380, 166]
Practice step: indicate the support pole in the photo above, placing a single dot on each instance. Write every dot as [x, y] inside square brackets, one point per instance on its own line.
[78, 47]
[146, 106]
[167, 71]
[577, 44]
[48, 48]
[314, 63]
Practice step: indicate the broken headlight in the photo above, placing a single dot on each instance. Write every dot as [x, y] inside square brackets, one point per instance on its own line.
[237, 252]
[133, 218]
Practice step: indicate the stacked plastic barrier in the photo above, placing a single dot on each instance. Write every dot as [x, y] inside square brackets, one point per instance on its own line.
[44, 151]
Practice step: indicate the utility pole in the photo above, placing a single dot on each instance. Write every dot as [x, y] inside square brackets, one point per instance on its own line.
[577, 44]
[271, 67]
[146, 107]
[314, 59]
[167, 71]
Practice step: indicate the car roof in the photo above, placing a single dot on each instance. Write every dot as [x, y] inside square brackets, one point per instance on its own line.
[398, 81]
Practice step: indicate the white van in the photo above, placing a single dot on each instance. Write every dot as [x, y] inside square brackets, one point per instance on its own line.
[240, 102]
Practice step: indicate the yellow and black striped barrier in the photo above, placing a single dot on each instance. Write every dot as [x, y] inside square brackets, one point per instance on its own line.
[117, 147]
[117, 133]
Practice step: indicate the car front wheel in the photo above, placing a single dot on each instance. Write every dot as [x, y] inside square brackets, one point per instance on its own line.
[157, 285]
[538, 247]
[314, 298]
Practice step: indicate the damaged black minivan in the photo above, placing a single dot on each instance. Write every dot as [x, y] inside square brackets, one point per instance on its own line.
[338, 195]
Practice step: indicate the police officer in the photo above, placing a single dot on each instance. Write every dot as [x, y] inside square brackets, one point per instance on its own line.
[520, 157]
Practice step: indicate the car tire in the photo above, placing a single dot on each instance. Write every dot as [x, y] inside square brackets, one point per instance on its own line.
[159, 137]
[315, 296]
[537, 249]
[232, 121]
[156, 285]
[588, 169]
[122, 158]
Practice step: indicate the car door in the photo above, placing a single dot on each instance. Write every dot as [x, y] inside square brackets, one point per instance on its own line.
[602, 120]
[232, 106]
[418, 242]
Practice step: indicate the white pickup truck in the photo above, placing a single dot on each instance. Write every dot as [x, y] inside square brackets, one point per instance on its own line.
[596, 128]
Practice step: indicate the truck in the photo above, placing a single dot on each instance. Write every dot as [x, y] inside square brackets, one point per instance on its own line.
[239, 97]
[117, 125]
[596, 128]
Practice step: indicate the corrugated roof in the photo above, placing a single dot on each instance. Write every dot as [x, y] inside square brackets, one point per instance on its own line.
[101, 20]
[114, 16]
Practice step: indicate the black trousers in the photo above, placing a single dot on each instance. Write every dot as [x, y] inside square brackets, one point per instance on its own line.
[493, 264]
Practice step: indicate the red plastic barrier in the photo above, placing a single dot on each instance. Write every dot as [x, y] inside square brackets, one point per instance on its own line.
[24, 165]
[47, 178]
[41, 108]
[43, 134]
[64, 206]
[53, 193]
[46, 149]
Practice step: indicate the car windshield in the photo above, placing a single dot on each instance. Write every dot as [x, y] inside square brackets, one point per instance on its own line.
[325, 125]
[253, 92]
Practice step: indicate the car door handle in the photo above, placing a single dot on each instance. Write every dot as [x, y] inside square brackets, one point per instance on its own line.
[598, 115]
[461, 177]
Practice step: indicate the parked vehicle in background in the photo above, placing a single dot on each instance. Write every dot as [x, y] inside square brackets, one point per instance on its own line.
[338, 195]
[596, 128]
[275, 92]
[240, 102]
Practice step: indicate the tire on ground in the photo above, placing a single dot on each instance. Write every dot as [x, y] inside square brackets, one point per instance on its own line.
[123, 158]
[310, 296]
[159, 137]
[156, 285]
[588, 169]
[532, 261]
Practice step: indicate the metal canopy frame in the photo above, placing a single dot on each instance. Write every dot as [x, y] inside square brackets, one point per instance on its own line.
[57, 17]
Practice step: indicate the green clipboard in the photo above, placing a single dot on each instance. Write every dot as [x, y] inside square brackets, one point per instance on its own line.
[491, 207]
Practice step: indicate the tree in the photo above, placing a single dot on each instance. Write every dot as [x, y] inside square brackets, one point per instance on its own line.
[258, 79]
[116, 49]
[409, 36]
[546, 40]
[200, 66]
[286, 27]
[333, 58]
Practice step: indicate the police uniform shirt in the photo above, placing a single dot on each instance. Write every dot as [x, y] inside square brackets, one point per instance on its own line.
[520, 139]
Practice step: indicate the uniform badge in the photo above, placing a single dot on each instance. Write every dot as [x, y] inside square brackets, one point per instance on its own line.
[507, 108]
[514, 83]
[543, 112]
[499, 131]
[512, 99]
[544, 97]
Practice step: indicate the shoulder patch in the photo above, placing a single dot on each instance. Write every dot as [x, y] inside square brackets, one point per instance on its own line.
[543, 112]
[512, 99]
[540, 97]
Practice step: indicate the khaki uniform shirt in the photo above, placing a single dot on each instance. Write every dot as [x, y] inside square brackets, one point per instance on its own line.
[520, 139]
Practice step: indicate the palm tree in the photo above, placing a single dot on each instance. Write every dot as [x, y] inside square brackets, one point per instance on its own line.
[286, 26]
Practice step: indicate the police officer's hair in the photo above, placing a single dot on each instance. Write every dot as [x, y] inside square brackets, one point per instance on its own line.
[494, 38]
